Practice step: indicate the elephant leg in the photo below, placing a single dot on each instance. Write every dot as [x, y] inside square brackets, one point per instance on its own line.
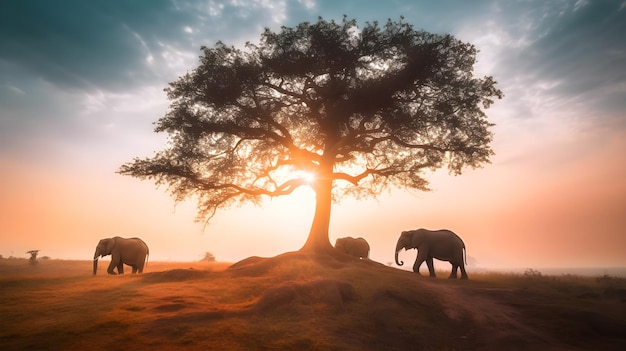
[120, 268]
[453, 273]
[134, 269]
[111, 268]
[463, 273]
[422, 255]
[431, 267]
[417, 264]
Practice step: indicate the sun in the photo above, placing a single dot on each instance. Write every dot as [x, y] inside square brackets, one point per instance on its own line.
[284, 174]
[308, 177]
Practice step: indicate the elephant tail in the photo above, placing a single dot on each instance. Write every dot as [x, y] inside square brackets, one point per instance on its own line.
[465, 254]
[147, 253]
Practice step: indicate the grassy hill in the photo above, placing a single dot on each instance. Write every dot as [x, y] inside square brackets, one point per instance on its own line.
[298, 302]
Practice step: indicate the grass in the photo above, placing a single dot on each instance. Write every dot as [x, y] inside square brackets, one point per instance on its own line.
[294, 301]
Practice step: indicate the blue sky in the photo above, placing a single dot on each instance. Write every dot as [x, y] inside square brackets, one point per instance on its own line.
[81, 83]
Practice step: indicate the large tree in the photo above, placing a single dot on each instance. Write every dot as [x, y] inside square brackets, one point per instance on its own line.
[342, 109]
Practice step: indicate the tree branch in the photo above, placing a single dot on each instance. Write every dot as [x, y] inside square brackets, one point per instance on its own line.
[285, 188]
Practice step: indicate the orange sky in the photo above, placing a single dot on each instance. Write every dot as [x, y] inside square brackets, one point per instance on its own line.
[510, 214]
[71, 112]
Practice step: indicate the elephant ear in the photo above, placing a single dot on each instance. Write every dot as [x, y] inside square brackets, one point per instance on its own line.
[109, 246]
[409, 239]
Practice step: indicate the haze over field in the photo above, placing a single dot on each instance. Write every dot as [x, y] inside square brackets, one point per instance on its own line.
[296, 301]
[81, 84]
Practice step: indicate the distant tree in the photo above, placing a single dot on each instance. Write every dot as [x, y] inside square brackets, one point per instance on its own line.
[208, 257]
[343, 109]
[532, 273]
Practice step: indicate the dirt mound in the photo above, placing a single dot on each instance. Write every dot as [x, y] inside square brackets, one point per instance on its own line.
[253, 266]
[322, 293]
[170, 307]
[389, 311]
[175, 275]
[616, 293]
[260, 266]
[591, 322]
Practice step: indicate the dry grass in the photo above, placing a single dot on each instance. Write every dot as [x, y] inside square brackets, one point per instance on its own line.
[299, 302]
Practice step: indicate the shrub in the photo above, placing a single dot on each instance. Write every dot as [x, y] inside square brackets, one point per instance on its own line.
[532, 273]
[208, 257]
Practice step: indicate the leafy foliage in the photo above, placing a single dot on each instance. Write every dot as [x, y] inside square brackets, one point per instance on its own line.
[360, 109]
[532, 273]
[208, 257]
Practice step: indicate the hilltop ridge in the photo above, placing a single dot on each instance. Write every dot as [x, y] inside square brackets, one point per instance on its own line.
[297, 301]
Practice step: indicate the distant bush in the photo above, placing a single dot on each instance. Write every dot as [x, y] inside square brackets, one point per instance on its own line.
[610, 281]
[532, 273]
[208, 257]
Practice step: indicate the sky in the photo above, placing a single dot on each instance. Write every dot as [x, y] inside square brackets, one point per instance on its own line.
[81, 84]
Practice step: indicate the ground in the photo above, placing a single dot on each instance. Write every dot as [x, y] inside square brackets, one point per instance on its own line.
[297, 301]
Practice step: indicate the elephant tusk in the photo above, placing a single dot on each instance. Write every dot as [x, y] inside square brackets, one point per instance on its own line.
[97, 258]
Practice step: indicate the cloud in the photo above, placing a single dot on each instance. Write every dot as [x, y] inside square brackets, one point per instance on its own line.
[116, 44]
[549, 57]
[65, 64]
[82, 45]
[585, 45]
[563, 55]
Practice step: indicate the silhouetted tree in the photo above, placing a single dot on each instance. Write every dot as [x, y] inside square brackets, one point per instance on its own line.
[343, 109]
[208, 257]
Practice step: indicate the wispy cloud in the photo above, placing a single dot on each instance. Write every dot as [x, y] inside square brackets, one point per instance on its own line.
[557, 57]
[14, 89]
[116, 44]
[68, 60]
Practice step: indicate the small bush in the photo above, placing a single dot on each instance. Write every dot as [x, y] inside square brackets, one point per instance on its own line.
[208, 257]
[609, 281]
[532, 273]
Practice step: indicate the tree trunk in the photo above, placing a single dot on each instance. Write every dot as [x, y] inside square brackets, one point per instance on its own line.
[318, 242]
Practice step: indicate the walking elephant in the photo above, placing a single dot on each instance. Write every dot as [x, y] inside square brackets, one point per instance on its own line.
[442, 244]
[354, 247]
[132, 252]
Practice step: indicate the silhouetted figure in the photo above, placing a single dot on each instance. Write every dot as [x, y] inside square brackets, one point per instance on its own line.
[33, 256]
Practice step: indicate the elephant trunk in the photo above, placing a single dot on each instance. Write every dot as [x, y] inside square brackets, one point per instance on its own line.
[399, 247]
[399, 263]
[96, 256]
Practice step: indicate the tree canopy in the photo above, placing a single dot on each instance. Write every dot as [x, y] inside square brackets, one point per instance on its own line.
[343, 109]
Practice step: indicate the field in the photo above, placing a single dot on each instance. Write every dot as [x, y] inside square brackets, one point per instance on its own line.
[299, 302]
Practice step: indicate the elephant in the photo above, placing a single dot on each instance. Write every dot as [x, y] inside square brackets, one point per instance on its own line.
[442, 244]
[354, 247]
[133, 252]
